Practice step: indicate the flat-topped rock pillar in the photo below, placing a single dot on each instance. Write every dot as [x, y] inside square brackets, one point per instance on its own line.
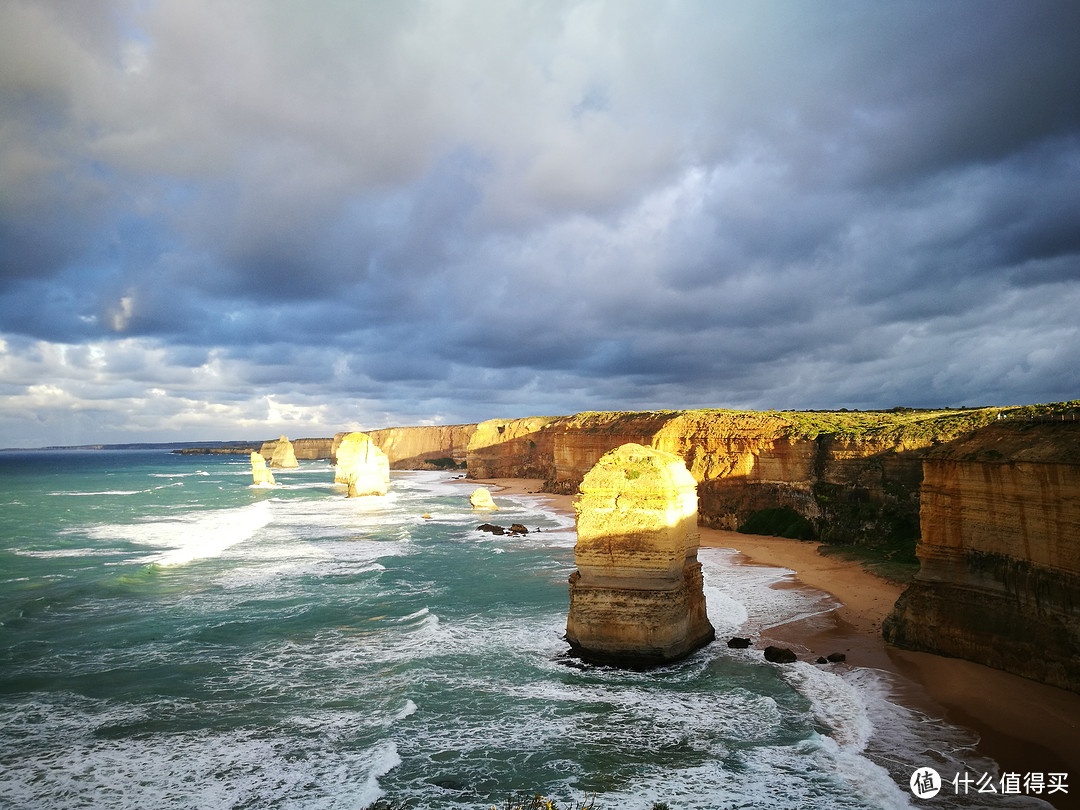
[361, 466]
[637, 597]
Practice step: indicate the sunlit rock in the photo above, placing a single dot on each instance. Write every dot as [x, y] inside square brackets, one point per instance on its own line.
[637, 598]
[361, 466]
[284, 455]
[259, 473]
[481, 499]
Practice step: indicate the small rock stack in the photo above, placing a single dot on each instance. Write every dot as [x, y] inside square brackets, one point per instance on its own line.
[283, 455]
[259, 473]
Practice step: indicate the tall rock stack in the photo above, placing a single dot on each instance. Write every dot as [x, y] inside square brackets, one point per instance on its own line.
[259, 474]
[361, 466]
[637, 598]
[283, 456]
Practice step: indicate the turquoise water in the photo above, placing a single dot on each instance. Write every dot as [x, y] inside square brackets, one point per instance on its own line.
[172, 637]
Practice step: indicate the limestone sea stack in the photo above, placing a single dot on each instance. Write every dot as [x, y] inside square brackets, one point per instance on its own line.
[636, 598]
[361, 466]
[481, 499]
[284, 456]
[259, 473]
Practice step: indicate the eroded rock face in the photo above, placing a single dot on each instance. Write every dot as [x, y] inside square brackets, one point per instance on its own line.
[1000, 553]
[284, 456]
[637, 598]
[361, 466]
[259, 473]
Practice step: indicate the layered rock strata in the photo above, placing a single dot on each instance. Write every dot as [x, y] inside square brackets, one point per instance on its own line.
[282, 454]
[854, 477]
[361, 466]
[259, 473]
[1000, 553]
[852, 485]
[412, 447]
[637, 598]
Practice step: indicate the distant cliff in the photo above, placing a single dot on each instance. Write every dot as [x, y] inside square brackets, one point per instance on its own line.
[307, 449]
[851, 476]
[1000, 552]
[410, 448]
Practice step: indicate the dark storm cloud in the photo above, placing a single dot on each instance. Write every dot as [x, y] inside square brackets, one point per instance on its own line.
[245, 216]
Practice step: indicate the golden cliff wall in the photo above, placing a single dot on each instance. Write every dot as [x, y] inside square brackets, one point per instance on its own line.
[1000, 552]
[512, 448]
[849, 487]
[409, 447]
[306, 449]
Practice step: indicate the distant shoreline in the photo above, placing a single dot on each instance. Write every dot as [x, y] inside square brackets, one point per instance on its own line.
[192, 448]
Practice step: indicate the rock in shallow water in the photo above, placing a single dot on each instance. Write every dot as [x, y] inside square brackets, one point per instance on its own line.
[780, 655]
[481, 499]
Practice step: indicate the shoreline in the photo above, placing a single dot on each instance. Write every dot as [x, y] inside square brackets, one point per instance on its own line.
[1023, 725]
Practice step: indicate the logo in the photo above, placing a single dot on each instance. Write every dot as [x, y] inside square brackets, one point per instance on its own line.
[925, 783]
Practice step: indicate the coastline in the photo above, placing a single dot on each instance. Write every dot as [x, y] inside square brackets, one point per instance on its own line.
[1023, 725]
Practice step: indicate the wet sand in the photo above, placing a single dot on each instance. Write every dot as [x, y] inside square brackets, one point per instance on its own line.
[1023, 725]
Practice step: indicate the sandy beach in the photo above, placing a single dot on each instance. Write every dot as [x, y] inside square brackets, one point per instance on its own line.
[1023, 725]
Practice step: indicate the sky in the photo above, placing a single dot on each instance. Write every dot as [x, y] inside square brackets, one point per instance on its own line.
[232, 219]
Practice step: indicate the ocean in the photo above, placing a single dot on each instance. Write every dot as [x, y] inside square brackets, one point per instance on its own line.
[173, 637]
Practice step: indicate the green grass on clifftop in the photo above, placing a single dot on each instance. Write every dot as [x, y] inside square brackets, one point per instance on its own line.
[898, 425]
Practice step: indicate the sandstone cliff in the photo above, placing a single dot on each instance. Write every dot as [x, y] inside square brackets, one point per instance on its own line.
[636, 598]
[408, 448]
[1000, 553]
[307, 449]
[853, 476]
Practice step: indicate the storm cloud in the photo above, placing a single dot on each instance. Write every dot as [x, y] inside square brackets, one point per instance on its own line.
[235, 219]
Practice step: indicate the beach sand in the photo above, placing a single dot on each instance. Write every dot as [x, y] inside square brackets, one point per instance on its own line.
[1023, 725]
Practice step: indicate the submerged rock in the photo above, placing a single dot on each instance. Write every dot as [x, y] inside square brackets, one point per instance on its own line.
[259, 473]
[636, 598]
[361, 466]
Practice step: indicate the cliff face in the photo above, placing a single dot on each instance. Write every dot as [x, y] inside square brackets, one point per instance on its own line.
[307, 449]
[512, 448]
[1000, 553]
[409, 447]
[855, 477]
[849, 487]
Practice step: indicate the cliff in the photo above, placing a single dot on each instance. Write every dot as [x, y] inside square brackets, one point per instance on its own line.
[307, 449]
[408, 448]
[1000, 553]
[852, 477]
